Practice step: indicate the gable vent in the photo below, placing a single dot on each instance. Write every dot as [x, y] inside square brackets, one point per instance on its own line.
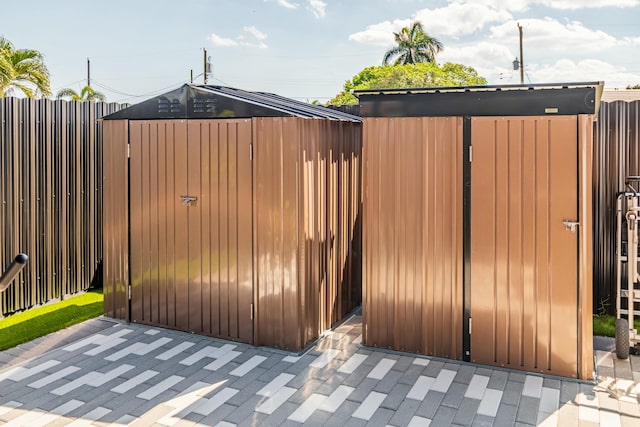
[167, 106]
[207, 105]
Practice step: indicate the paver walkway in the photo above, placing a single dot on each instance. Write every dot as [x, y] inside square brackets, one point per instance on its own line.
[104, 372]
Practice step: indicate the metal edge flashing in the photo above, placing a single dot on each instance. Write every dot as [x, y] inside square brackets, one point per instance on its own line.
[508, 100]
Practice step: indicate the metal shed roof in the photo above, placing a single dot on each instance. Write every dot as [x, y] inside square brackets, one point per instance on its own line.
[220, 102]
[504, 100]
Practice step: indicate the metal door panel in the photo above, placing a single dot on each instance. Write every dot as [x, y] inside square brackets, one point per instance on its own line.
[523, 261]
[191, 221]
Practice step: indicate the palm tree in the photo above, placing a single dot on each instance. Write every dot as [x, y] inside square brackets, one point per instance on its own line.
[414, 46]
[22, 70]
[86, 94]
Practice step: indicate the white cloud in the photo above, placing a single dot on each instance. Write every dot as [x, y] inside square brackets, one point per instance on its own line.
[241, 40]
[380, 34]
[483, 55]
[522, 5]
[565, 70]
[512, 5]
[221, 41]
[458, 19]
[455, 19]
[255, 32]
[550, 34]
[631, 41]
[318, 8]
[284, 3]
[583, 4]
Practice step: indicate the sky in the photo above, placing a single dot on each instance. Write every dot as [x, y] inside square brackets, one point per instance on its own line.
[307, 49]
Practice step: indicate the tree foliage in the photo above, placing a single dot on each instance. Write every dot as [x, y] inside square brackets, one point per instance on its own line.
[86, 94]
[634, 86]
[414, 46]
[426, 74]
[22, 70]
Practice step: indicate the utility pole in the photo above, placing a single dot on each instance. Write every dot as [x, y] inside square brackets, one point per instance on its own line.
[192, 76]
[205, 66]
[521, 59]
[88, 73]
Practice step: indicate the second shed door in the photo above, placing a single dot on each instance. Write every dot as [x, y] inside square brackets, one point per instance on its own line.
[524, 260]
[191, 222]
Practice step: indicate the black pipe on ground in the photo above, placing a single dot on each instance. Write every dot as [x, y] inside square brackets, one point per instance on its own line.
[13, 270]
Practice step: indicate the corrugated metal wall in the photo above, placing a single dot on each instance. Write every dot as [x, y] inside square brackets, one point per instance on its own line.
[412, 235]
[306, 202]
[115, 218]
[307, 238]
[524, 262]
[191, 262]
[616, 156]
[50, 167]
[525, 273]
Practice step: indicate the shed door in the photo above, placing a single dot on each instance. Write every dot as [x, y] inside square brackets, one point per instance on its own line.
[191, 222]
[524, 262]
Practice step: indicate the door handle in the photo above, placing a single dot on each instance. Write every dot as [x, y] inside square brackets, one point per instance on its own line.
[189, 200]
[571, 225]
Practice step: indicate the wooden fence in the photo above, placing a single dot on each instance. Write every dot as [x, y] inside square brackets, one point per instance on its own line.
[51, 203]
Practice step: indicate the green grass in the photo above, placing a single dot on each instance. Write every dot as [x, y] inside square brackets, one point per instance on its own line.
[605, 326]
[36, 322]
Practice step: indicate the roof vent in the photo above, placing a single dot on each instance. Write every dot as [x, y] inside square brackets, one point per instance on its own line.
[207, 105]
[166, 106]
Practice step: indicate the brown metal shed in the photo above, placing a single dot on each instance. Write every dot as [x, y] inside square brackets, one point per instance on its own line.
[477, 241]
[232, 214]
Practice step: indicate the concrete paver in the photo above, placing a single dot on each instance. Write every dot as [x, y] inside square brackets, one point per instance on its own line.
[105, 372]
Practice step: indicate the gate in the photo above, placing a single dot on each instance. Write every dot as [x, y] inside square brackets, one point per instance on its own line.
[524, 247]
[191, 222]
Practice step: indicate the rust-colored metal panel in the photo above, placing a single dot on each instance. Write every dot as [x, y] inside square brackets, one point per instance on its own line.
[303, 246]
[412, 235]
[524, 263]
[191, 226]
[271, 194]
[115, 266]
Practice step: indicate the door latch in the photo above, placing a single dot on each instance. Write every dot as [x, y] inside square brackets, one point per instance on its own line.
[571, 225]
[189, 200]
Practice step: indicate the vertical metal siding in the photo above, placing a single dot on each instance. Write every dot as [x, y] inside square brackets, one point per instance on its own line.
[524, 262]
[412, 235]
[115, 218]
[616, 156]
[306, 227]
[50, 164]
[282, 231]
[192, 265]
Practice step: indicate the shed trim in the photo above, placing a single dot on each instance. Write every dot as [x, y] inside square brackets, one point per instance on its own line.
[506, 100]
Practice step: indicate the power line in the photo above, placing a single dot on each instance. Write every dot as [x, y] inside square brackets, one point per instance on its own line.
[132, 96]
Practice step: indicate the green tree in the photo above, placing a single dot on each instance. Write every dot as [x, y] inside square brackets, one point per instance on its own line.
[634, 86]
[426, 74]
[22, 70]
[414, 46]
[86, 94]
